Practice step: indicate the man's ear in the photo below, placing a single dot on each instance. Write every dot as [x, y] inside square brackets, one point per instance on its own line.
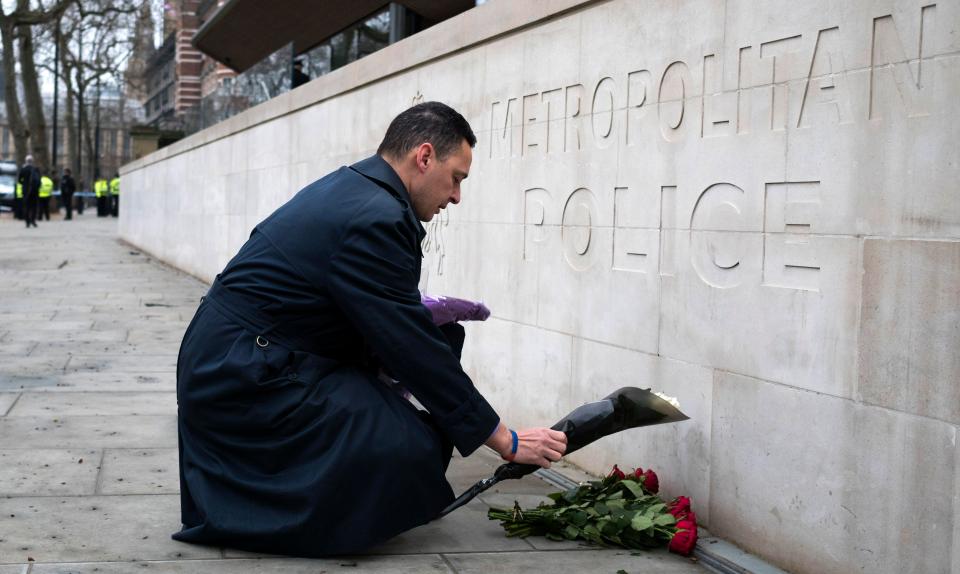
[425, 155]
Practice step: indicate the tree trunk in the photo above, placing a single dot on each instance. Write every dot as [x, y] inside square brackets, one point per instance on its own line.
[14, 119]
[89, 166]
[32, 100]
[69, 118]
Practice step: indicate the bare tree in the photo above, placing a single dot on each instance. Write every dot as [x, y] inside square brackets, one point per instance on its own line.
[17, 126]
[11, 25]
[94, 47]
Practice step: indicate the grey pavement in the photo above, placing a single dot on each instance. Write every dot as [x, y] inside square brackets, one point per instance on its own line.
[89, 333]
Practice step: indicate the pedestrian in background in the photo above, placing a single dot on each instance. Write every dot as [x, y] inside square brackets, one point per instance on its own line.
[299, 77]
[46, 191]
[67, 189]
[82, 185]
[29, 178]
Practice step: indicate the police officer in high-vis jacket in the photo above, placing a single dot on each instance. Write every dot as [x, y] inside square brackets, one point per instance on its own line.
[115, 195]
[101, 190]
[18, 202]
[46, 191]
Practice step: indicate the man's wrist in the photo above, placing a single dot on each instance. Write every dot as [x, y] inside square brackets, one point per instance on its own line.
[514, 445]
[501, 440]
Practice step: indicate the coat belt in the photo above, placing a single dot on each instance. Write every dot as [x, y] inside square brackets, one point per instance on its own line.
[246, 314]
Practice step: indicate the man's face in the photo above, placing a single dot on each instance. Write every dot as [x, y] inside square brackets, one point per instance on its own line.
[439, 181]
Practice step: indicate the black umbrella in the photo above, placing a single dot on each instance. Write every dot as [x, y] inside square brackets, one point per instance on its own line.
[623, 409]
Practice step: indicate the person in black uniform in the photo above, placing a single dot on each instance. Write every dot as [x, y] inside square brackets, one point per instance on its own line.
[290, 440]
[67, 189]
[29, 179]
[299, 77]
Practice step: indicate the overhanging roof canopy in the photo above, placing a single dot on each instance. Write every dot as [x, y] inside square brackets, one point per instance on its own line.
[244, 32]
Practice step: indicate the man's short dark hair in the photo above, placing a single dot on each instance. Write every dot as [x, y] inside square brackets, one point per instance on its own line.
[429, 122]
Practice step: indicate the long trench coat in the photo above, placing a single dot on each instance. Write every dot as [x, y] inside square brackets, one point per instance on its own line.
[289, 442]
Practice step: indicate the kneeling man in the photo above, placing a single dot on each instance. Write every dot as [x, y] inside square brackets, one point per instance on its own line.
[290, 441]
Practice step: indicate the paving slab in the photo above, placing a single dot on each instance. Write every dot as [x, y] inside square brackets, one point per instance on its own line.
[38, 404]
[6, 401]
[91, 381]
[172, 336]
[127, 363]
[467, 529]
[562, 562]
[16, 366]
[49, 472]
[7, 317]
[140, 471]
[94, 348]
[117, 335]
[93, 529]
[19, 348]
[430, 563]
[147, 431]
[29, 325]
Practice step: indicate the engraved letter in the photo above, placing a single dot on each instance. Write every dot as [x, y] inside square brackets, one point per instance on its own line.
[502, 132]
[553, 103]
[634, 247]
[668, 229]
[671, 100]
[888, 58]
[825, 88]
[719, 111]
[576, 228]
[601, 112]
[783, 55]
[789, 259]
[573, 95]
[638, 88]
[713, 247]
[532, 133]
[535, 201]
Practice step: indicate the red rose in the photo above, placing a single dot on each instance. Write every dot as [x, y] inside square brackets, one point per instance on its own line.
[650, 481]
[638, 473]
[688, 520]
[685, 539]
[680, 506]
[683, 542]
[617, 473]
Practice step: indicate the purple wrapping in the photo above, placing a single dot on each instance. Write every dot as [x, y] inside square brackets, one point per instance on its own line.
[450, 309]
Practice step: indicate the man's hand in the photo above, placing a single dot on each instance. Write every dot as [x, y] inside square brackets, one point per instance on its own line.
[539, 446]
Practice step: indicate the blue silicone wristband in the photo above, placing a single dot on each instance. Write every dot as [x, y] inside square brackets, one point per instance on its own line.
[516, 442]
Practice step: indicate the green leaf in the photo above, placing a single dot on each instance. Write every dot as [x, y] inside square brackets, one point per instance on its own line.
[601, 508]
[616, 503]
[577, 517]
[571, 532]
[554, 537]
[641, 522]
[665, 520]
[633, 487]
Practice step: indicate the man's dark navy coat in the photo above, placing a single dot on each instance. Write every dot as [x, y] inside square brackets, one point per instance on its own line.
[289, 443]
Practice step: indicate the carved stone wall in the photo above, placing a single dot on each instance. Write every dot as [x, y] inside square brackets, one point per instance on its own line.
[752, 206]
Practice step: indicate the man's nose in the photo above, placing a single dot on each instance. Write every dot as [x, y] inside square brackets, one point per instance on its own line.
[455, 198]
